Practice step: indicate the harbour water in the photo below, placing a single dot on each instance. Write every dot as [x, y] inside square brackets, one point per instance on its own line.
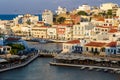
[40, 69]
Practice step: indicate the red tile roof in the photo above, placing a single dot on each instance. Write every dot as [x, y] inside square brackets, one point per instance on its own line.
[100, 19]
[112, 44]
[74, 42]
[96, 44]
[113, 30]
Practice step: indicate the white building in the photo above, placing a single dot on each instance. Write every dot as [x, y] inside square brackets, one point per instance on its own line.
[83, 30]
[61, 10]
[108, 6]
[52, 33]
[84, 7]
[27, 18]
[70, 46]
[47, 17]
[5, 49]
[112, 48]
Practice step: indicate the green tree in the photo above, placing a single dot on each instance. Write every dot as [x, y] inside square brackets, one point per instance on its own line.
[28, 22]
[16, 48]
[82, 13]
[109, 13]
[61, 19]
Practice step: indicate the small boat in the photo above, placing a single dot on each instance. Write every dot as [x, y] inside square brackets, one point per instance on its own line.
[82, 67]
[105, 70]
[43, 41]
[98, 69]
[90, 68]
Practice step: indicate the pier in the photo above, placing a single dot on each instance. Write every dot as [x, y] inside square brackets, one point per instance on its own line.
[98, 68]
[90, 62]
[21, 64]
[47, 54]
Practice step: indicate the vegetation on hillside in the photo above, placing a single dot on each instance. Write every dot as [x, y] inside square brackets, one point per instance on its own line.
[83, 13]
[61, 20]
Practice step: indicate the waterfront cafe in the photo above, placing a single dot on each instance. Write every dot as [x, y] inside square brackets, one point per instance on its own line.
[3, 60]
[87, 60]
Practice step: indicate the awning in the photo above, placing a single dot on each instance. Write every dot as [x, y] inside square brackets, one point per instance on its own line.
[23, 57]
[3, 60]
[114, 61]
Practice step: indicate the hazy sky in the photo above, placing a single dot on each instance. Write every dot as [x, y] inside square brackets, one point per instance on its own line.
[37, 6]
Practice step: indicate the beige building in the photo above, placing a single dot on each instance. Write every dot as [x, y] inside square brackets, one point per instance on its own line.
[47, 17]
[39, 32]
[52, 33]
[95, 48]
[64, 32]
[108, 6]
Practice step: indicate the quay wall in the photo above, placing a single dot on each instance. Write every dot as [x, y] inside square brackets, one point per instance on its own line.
[20, 65]
[117, 70]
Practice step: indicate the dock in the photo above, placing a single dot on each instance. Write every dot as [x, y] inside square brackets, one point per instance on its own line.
[19, 65]
[47, 54]
[98, 68]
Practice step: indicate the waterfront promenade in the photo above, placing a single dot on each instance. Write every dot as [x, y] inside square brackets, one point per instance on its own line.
[10, 66]
[105, 63]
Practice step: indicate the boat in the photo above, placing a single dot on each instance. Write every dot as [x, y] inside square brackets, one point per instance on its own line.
[43, 41]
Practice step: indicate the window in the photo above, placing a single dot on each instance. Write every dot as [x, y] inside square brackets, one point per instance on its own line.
[4, 49]
[113, 35]
[8, 49]
[86, 48]
[108, 50]
[111, 50]
[72, 47]
[118, 50]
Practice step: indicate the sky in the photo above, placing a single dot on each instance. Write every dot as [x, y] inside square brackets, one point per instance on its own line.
[37, 6]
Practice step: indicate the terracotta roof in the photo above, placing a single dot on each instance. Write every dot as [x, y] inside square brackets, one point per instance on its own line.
[100, 19]
[96, 44]
[73, 42]
[113, 30]
[112, 44]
